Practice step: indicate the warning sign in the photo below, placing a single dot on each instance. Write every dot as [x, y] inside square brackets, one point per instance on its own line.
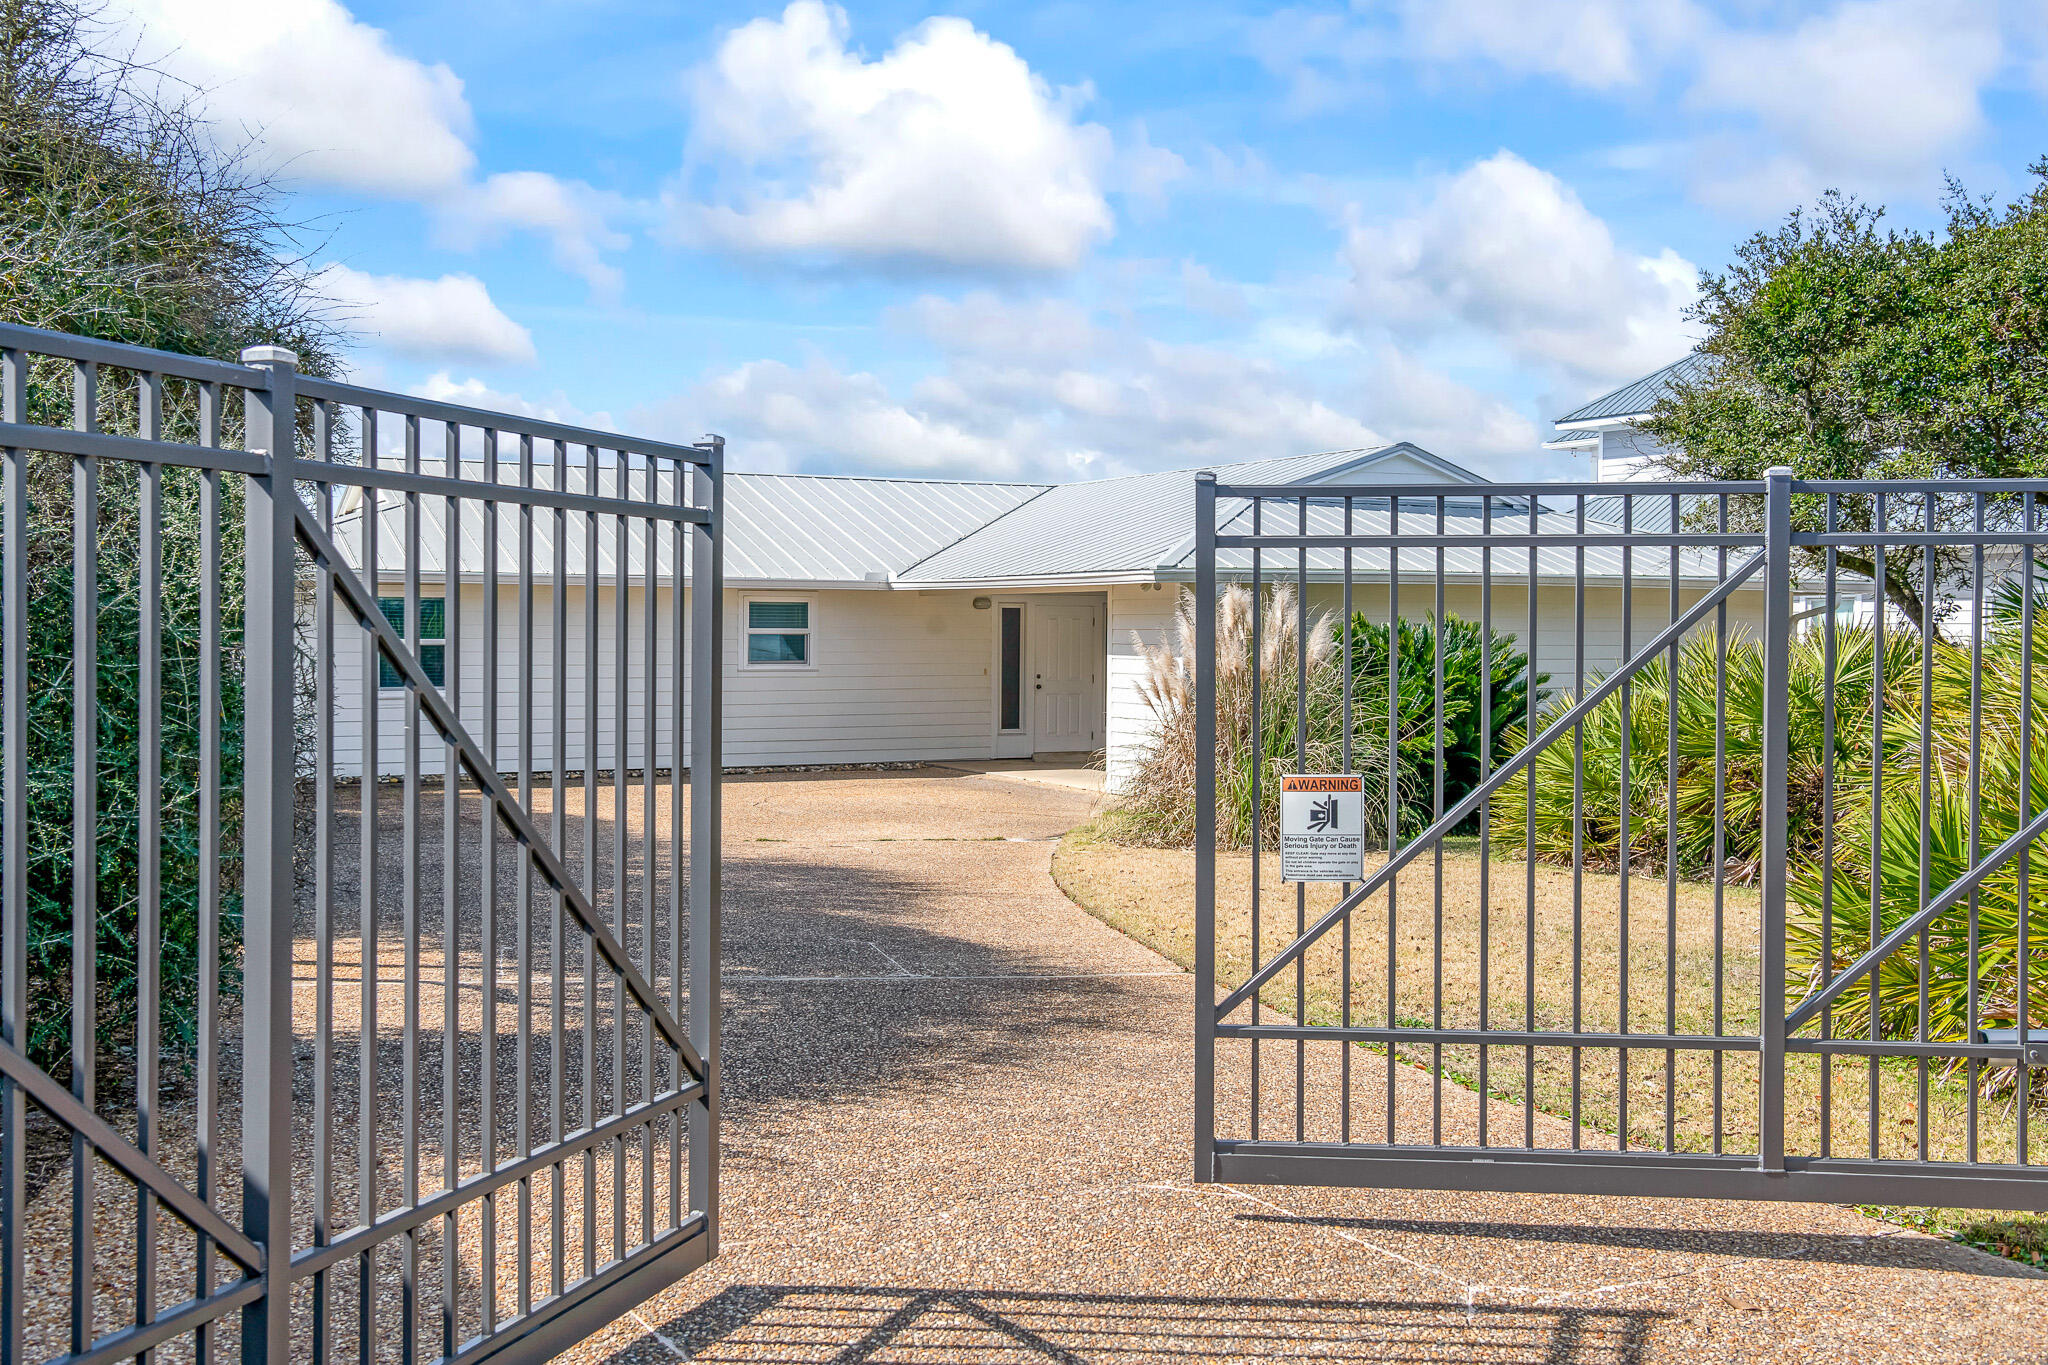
[1322, 827]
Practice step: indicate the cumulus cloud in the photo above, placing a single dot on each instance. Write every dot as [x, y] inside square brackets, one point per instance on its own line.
[575, 219]
[327, 98]
[1761, 105]
[452, 317]
[1872, 94]
[947, 150]
[318, 97]
[1508, 252]
[1047, 390]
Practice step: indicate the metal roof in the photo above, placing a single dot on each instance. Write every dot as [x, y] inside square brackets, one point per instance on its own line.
[1572, 438]
[780, 528]
[1325, 517]
[1121, 527]
[1639, 396]
[805, 527]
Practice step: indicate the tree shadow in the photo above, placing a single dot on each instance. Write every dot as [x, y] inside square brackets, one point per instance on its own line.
[864, 1322]
[841, 983]
[1904, 1252]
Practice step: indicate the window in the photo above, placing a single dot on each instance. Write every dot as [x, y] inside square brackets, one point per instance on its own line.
[432, 645]
[1013, 668]
[779, 633]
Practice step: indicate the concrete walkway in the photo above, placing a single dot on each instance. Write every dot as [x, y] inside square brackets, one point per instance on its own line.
[957, 1130]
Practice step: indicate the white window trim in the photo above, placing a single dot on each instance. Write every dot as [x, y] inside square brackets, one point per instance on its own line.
[810, 665]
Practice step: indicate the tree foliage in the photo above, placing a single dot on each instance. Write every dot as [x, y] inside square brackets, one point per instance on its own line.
[1847, 350]
[121, 218]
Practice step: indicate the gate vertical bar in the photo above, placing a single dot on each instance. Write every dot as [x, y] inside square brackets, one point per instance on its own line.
[707, 624]
[13, 865]
[1776, 683]
[1205, 826]
[267, 851]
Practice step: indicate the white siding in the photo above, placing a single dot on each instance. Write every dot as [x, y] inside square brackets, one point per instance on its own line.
[1148, 613]
[520, 685]
[899, 676]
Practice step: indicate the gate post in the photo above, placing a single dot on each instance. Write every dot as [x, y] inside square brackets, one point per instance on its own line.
[1776, 739]
[267, 807]
[707, 617]
[1205, 827]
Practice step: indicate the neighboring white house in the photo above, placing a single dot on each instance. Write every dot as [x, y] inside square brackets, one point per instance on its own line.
[876, 620]
[1608, 429]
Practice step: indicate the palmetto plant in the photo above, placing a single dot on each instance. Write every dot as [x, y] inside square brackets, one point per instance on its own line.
[1662, 713]
[2008, 765]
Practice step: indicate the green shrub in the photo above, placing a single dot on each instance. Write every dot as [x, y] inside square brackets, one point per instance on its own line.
[1263, 728]
[1463, 666]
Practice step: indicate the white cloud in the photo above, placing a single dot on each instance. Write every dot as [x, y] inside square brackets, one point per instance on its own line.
[1872, 94]
[575, 219]
[327, 97]
[948, 150]
[321, 98]
[1045, 390]
[1507, 251]
[1331, 57]
[1595, 44]
[779, 417]
[1441, 415]
[441, 387]
[451, 317]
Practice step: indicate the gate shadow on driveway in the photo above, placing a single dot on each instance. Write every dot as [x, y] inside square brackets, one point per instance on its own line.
[1900, 1250]
[847, 1323]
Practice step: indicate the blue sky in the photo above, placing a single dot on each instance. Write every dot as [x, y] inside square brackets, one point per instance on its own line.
[1064, 240]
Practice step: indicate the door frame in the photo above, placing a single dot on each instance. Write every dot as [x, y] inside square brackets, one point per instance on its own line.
[1017, 743]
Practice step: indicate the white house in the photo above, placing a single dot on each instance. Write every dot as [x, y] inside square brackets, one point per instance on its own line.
[1608, 429]
[876, 620]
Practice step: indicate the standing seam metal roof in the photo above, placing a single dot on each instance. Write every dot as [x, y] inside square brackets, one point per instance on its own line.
[1109, 526]
[1639, 396]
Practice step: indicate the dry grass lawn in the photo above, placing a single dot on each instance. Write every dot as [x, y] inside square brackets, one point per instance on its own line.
[1691, 963]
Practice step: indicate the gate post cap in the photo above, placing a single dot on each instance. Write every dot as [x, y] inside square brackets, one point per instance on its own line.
[1779, 471]
[270, 355]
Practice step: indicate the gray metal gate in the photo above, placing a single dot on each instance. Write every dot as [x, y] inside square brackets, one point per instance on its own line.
[1738, 904]
[346, 822]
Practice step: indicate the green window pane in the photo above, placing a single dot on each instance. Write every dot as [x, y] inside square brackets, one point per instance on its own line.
[433, 627]
[778, 649]
[779, 615]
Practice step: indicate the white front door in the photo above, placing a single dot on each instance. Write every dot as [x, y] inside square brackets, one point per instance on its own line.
[1066, 671]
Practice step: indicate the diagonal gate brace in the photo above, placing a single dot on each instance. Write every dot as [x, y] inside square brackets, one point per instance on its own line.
[364, 607]
[1562, 726]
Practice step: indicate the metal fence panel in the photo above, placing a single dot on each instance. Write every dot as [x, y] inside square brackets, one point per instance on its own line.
[297, 881]
[1613, 953]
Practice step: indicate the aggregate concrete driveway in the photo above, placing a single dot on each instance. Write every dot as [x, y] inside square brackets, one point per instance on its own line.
[956, 1129]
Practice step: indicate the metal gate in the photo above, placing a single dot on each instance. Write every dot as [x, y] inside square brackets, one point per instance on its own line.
[358, 924]
[1724, 892]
